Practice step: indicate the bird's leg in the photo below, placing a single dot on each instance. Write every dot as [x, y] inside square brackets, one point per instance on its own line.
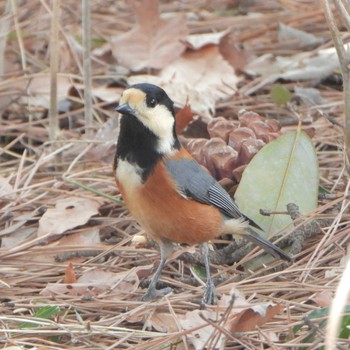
[209, 296]
[166, 248]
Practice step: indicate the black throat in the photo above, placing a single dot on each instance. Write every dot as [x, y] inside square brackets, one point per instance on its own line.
[138, 145]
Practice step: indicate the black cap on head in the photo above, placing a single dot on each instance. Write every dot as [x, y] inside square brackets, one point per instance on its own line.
[155, 95]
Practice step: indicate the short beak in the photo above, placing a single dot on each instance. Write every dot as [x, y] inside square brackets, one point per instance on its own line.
[124, 109]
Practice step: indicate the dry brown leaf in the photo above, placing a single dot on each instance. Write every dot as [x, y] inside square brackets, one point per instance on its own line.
[84, 238]
[67, 214]
[162, 322]
[200, 77]
[199, 337]
[96, 282]
[17, 237]
[104, 150]
[152, 42]
[183, 117]
[257, 315]
[69, 274]
[324, 298]
[242, 318]
[197, 41]
[39, 90]
[230, 52]
[107, 93]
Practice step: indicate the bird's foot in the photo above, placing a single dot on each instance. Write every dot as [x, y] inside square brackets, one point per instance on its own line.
[155, 293]
[209, 296]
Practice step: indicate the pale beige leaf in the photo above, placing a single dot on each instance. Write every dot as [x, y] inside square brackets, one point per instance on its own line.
[199, 337]
[17, 237]
[162, 322]
[202, 77]
[301, 38]
[96, 282]
[197, 41]
[108, 133]
[107, 93]
[68, 214]
[87, 237]
[152, 42]
[6, 190]
[39, 90]
[324, 298]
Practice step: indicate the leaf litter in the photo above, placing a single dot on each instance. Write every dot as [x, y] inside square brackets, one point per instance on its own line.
[101, 309]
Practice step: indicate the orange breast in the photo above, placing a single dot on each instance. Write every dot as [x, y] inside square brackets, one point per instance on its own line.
[164, 213]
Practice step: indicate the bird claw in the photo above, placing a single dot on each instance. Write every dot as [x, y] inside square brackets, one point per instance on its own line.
[209, 296]
[155, 293]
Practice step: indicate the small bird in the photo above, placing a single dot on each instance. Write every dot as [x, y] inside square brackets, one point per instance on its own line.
[174, 199]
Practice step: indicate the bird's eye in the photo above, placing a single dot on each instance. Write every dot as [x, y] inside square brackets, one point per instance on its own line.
[152, 102]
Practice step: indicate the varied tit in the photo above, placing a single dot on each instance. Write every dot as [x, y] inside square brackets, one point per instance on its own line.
[172, 197]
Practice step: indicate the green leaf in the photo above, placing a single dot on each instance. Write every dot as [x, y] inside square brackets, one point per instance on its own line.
[321, 316]
[323, 190]
[284, 171]
[198, 270]
[46, 312]
[280, 95]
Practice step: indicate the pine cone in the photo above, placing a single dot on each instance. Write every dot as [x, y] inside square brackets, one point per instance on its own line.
[232, 144]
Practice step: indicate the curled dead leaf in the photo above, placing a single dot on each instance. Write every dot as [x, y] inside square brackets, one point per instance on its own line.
[254, 316]
[69, 275]
[183, 117]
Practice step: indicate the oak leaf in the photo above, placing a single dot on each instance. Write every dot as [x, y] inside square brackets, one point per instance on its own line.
[200, 77]
[152, 42]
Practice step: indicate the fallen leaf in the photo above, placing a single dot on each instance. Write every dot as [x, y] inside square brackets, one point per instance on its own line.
[324, 298]
[183, 117]
[302, 39]
[109, 94]
[283, 171]
[67, 214]
[18, 221]
[199, 78]
[6, 189]
[280, 95]
[162, 322]
[152, 42]
[95, 282]
[302, 66]
[39, 92]
[104, 150]
[255, 316]
[231, 53]
[69, 275]
[309, 96]
[198, 330]
[84, 238]
[18, 236]
[197, 41]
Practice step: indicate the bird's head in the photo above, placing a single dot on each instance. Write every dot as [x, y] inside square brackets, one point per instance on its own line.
[151, 106]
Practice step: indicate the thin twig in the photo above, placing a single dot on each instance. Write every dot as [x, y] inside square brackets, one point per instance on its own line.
[54, 61]
[87, 68]
[344, 61]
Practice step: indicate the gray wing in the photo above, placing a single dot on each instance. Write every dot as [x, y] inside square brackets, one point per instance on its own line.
[196, 183]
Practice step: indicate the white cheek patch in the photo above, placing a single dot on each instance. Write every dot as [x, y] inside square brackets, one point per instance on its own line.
[129, 175]
[161, 122]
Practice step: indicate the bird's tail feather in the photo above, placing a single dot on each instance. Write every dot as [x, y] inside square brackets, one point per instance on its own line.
[268, 246]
